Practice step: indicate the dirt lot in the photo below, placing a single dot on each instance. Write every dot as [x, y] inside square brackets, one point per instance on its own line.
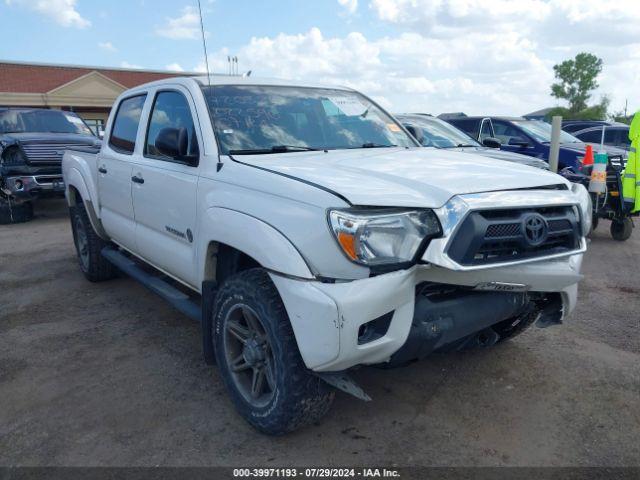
[108, 374]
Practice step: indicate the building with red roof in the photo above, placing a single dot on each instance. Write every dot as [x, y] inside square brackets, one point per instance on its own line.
[88, 91]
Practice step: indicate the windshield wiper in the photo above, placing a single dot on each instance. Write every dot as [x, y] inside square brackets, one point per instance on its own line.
[273, 149]
[377, 145]
[460, 145]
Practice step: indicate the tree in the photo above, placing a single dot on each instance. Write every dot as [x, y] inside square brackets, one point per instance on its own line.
[594, 112]
[577, 79]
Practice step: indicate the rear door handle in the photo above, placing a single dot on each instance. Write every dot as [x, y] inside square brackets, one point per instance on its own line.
[136, 179]
[102, 170]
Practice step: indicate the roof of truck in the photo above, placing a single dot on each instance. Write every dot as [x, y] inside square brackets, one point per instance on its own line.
[243, 80]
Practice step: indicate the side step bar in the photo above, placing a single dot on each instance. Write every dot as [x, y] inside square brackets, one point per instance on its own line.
[179, 300]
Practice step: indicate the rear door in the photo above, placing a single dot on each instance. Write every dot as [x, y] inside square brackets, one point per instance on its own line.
[114, 172]
[165, 188]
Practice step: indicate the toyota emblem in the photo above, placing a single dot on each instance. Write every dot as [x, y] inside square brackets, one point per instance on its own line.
[535, 229]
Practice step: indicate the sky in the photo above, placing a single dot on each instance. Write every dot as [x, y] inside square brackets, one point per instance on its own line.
[481, 57]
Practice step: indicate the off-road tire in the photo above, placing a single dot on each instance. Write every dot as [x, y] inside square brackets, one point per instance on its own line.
[17, 213]
[94, 266]
[621, 230]
[512, 327]
[299, 398]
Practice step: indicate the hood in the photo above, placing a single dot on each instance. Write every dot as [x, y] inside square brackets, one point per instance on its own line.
[415, 177]
[507, 156]
[48, 137]
[579, 148]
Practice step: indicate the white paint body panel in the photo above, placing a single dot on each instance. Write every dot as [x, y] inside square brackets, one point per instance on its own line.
[274, 209]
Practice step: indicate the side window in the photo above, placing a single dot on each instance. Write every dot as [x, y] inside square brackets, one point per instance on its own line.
[171, 111]
[611, 136]
[470, 127]
[592, 136]
[507, 133]
[125, 124]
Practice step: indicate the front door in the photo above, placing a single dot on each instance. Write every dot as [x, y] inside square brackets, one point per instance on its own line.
[114, 173]
[165, 188]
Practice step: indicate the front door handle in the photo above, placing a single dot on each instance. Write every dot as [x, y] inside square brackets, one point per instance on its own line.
[102, 170]
[136, 179]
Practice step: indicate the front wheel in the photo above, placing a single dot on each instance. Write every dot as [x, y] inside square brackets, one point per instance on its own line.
[259, 359]
[621, 229]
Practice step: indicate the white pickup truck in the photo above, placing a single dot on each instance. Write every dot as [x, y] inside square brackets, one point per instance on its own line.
[310, 233]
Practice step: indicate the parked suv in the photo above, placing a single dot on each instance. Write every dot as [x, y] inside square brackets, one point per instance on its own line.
[32, 142]
[309, 233]
[614, 136]
[529, 137]
[433, 132]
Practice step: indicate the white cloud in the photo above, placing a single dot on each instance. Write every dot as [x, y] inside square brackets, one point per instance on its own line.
[62, 12]
[108, 46]
[133, 66]
[476, 56]
[184, 27]
[175, 67]
[350, 6]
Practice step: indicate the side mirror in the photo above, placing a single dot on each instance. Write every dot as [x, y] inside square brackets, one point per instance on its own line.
[518, 142]
[492, 142]
[173, 142]
[415, 133]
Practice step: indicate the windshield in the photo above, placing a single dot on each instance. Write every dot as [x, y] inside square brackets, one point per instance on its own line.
[541, 131]
[41, 121]
[439, 134]
[266, 119]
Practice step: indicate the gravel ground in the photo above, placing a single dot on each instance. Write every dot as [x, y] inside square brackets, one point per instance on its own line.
[108, 374]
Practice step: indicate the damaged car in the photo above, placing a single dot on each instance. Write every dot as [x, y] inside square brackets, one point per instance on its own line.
[32, 142]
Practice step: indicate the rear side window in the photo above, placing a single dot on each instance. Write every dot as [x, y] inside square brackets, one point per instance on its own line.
[125, 124]
[592, 136]
[469, 126]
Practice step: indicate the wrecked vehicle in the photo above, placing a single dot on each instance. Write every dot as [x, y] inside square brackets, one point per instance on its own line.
[32, 142]
[309, 233]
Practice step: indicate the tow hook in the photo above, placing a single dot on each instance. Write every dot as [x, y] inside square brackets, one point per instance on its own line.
[342, 381]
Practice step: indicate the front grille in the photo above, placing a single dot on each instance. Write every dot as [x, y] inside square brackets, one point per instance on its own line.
[495, 236]
[48, 153]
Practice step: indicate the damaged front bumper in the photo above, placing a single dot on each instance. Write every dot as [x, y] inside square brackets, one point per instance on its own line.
[26, 187]
[340, 325]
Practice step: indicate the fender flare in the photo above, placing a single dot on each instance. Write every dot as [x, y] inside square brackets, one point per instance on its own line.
[73, 178]
[253, 237]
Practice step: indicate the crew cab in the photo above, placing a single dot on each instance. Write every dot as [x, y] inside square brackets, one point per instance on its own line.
[530, 137]
[32, 142]
[309, 233]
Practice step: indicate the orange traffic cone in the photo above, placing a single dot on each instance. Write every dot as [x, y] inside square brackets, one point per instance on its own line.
[588, 156]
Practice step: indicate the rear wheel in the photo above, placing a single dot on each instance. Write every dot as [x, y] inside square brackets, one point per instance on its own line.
[621, 229]
[15, 212]
[259, 359]
[89, 247]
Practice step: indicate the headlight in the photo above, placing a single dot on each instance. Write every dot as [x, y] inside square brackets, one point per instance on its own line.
[382, 236]
[586, 209]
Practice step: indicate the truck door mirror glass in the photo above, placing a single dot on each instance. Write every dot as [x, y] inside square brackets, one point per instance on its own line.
[492, 142]
[173, 142]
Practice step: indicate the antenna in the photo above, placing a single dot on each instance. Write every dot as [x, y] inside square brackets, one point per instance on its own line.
[204, 45]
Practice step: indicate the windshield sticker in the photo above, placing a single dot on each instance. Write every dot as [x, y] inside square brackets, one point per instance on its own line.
[350, 106]
[393, 127]
[227, 131]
